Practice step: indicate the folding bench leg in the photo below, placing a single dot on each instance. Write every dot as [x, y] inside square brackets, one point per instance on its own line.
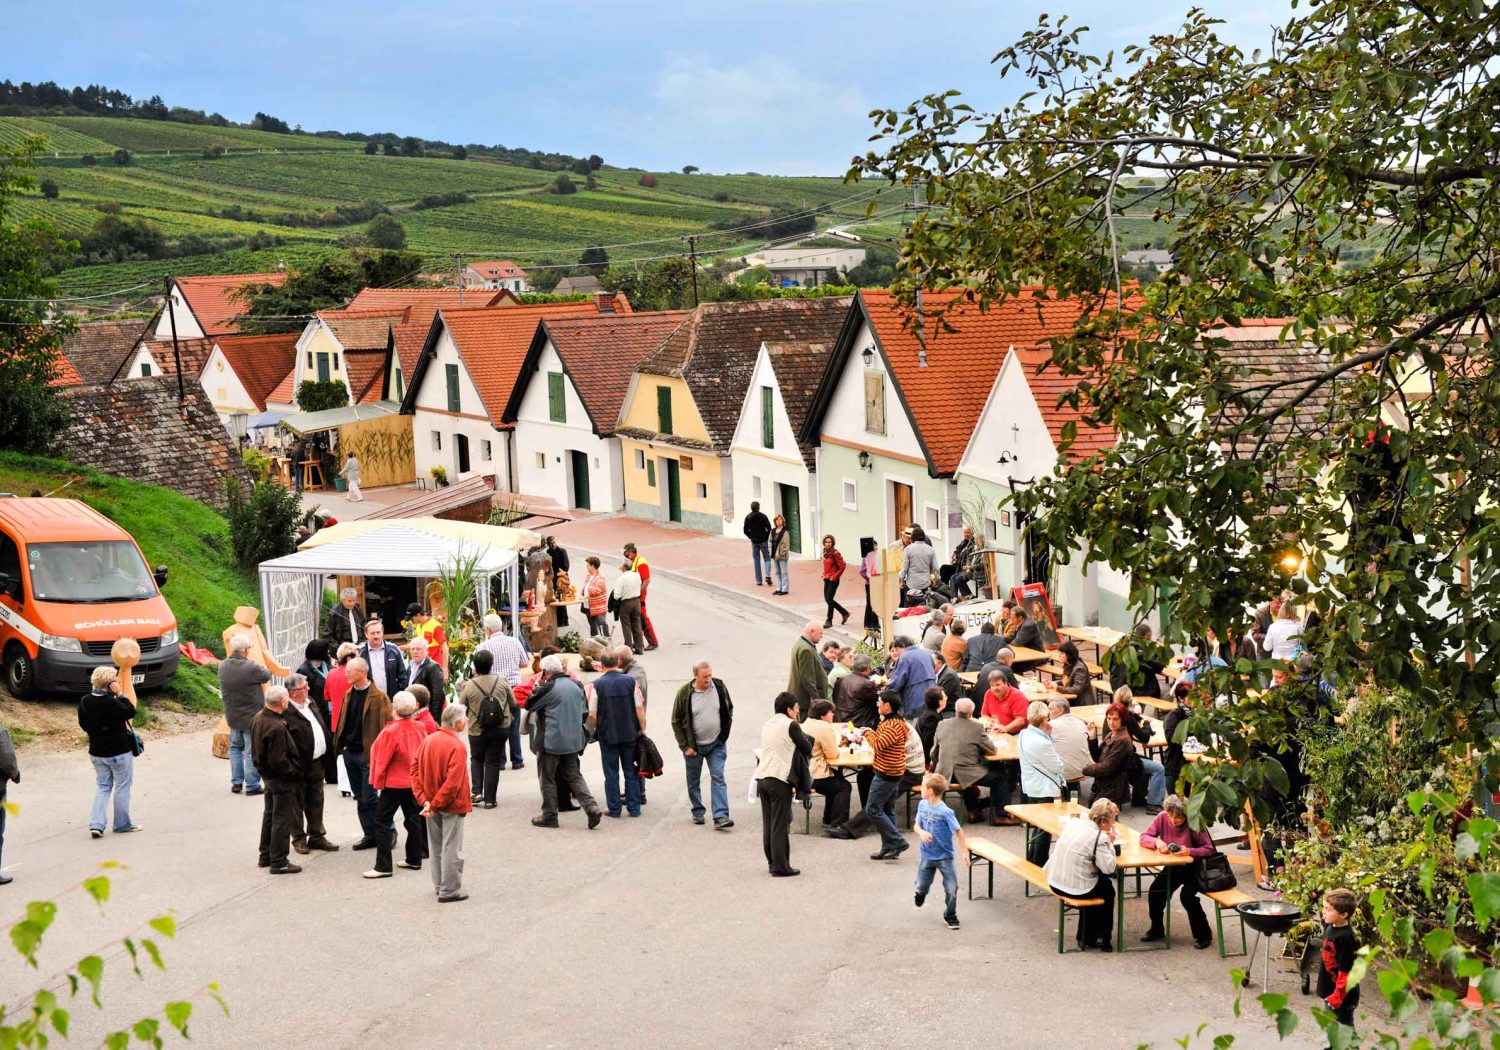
[1219, 924]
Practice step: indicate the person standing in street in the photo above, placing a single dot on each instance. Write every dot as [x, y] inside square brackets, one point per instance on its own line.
[424, 671]
[702, 713]
[560, 564]
[440, 781]
[350, 474]
[276, 756]
[346, 620]
[104, 714]
[639, 565]
[889, 743]
[387, 668]
[509, 654]
[781, 742]
[241, 683]
[391, 760]
[617, 712]
[10, 772]
[491, 708]
[627, 592]
[365, 711]
[595, 595]
[757, 530]
[808, 680]
[559, 701]
[314, 740]
[833, 572]
[780, 545]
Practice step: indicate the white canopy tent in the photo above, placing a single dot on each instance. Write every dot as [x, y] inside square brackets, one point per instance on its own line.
[291, 588]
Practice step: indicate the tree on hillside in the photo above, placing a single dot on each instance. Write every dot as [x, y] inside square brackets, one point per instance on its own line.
[581, 167]
[595, 162]
[391, 150]
[266, 122]
[689, 169]
[328, 284]
[1365, 478]
[384, 231]
[562, 184]
[372, 148]
[30, 413]
[545, 272]
[48, 188]
[121, 157]
[459, 153]
[411, 146]
[594, 260]
[663, 285]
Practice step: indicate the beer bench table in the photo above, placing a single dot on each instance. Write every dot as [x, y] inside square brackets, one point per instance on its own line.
[993, 854]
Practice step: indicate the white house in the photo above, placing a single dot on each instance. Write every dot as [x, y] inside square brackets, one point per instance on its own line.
[771, 464]
[807, 267]
[566, 404]
[204, 307]
[499, 274]
[241, 373]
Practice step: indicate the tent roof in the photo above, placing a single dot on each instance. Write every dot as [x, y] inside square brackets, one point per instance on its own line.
[333, 418]
[391, 549]
[466, 532]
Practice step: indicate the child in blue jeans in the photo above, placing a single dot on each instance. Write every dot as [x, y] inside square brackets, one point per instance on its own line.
[937, 827]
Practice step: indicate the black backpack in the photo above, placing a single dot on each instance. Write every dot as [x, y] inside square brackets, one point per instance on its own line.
[491, 713]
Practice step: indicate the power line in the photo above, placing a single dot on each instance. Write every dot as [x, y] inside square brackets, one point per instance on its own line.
[80, 298]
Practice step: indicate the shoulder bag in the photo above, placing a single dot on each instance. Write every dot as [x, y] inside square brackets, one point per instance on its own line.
[137, 745]
[1215, 873]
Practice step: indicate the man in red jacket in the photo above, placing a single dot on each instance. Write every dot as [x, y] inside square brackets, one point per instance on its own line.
[391, 758]
[440, 780]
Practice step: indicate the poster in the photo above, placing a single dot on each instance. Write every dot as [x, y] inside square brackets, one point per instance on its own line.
[1033, 598]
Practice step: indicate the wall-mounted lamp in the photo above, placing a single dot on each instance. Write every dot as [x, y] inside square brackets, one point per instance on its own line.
[864, 461]
[868, 357]
[1007, 457]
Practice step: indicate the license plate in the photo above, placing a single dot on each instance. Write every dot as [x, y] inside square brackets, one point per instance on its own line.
[137, 679]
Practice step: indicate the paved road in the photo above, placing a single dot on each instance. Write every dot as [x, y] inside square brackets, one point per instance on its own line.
[649, 932]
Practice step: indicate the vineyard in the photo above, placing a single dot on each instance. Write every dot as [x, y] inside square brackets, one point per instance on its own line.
[59, 139]
[152, 135]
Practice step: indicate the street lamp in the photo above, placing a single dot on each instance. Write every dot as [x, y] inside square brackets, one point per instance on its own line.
[868, 357]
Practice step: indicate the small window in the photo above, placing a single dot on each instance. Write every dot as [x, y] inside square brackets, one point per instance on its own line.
[767, 417]
[702, 490]
[640, 459]
[309, 361]
[541, 461]
[452, 371]
[146, 369]
[755, 487]
[437, 441]
[875, 402]
[664, 409]
[991, 530]
[930, 519]
[651, 472]
[851, 495]
[557, 404]
[485, 451]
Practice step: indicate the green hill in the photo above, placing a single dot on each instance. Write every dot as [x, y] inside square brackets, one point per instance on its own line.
[270, 199]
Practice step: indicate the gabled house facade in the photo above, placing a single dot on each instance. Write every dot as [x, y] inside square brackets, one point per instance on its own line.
[771, 464]
[241, 373]
[498, 274]
[206, 307]
[566, 404]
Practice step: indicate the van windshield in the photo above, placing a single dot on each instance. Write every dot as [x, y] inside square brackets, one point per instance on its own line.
[88, 572]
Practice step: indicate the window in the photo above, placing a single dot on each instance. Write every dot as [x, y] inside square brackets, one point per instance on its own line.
[541, 461]
[640, 459]
[702, 490]
[335, 362]
[400, 386]
[991, 530]
[664, 409]
[452, 371]
[651, 472]
[146, 368]
[309, 361]
[755, 487]
[875, 402]
[485, 451]
[10, 558]
[767, 417]
[437, 441]
[557, 405]
[851, 495]
[931, 517]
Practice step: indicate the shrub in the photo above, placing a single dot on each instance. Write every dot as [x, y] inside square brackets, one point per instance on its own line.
[121, 157]
[648, 180]
[213, 152]
[562, 184]
[315, 395]
[385, 232]
[49, 189]
[258, 460]
[263, 526]
[88, 160]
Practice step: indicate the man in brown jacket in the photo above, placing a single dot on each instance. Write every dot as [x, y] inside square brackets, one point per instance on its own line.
[280, 764]
[365, 711]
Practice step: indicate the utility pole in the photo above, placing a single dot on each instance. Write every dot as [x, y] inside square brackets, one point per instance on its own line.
[693, 261]
[176, 352]
[458, 266]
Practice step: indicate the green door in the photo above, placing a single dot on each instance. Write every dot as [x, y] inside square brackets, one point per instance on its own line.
[580, 466]
[791, 510]
[674, 490]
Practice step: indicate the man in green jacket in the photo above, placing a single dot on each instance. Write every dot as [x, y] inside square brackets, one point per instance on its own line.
[809, 679]
[701, 716]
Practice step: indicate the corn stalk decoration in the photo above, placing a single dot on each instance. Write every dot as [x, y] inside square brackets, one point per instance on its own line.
[458, 585]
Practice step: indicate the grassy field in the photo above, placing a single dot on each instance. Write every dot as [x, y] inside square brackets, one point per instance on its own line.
[104, 134]
[190, 539]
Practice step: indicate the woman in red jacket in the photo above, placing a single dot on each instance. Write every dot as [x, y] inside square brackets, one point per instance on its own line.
[391, 758]
[833, 571]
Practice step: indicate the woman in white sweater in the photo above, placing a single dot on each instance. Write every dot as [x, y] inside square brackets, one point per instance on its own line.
[1082, 861]
[1284, 636]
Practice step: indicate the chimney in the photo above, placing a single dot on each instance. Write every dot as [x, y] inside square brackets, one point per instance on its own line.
[604, 302]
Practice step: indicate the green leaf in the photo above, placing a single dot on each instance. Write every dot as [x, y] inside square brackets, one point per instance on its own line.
[1277, 777]
[91, 969]
[97, 888]
[1391, 982]
[1489, 987]
[1286, 1023]
[1484, 888]
[60, 1021]
[1437, 942]
[164, 925]
[1357, 971]
[1271, 1002]
[213, 991]
[149, 947]
[147, 1029]
[117, 1041]
[177, 1014]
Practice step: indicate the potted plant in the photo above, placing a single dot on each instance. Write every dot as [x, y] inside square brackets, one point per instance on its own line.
[440, 476]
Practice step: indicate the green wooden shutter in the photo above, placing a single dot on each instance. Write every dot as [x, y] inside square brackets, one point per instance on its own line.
[453, 402]
[767, 417]
[651, 472]
[557, 405]
[664, 409]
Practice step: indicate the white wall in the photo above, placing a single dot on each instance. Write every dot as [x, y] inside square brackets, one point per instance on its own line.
[432, 416]
[225, 391]
[1012, 426]
[187, 325]
[536, 434]
[845, 418]
[142, 361]
[756, 470]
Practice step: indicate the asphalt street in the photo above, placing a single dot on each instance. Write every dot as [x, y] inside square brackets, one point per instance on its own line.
[648, 932]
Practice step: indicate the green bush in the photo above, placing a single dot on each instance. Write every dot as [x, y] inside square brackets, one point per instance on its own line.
[316, 395]
[264, 526]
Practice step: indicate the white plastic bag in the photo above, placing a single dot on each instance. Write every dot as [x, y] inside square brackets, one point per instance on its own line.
[754, 792]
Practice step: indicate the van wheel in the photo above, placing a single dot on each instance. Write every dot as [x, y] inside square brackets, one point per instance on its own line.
[20, 672]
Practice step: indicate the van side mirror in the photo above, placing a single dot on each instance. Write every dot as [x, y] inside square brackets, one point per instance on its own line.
[160, 575]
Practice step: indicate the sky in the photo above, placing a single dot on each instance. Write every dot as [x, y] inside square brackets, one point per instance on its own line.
[773, 87]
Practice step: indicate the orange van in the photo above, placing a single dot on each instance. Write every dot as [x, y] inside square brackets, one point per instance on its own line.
[71, 582]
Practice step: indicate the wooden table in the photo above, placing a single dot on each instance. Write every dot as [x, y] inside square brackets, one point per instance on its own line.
[1101, 638]
[1048, 817]
[1029, 656]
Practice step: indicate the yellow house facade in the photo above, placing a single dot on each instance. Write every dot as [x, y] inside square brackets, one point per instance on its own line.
[671, 469]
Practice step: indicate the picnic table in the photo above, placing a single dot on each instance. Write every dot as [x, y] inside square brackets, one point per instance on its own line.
[1133, 858]
[1030, 656]
[1101, 638]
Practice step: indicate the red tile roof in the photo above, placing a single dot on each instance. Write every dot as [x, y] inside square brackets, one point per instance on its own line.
[210, 298]
[497, 269]
[63, 373]
[494, 343]
[362, 329]
[285, 392]
[100, 350]
[1047, 387]
[409, 341]
[599, 353]
[945, 395]
[261, 362]
[366, 375]
[194, 354]
[420, 304]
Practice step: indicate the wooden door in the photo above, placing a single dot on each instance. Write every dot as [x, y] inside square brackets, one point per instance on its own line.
[461, 446]
[791, 510]
[902, 507]
[579, 463]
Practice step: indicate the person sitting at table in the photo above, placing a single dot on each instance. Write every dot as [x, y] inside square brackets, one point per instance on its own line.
[1208, 659]
[1023, 631]
[981, 648]
[1076, 684]
[1149, 784]
[1172, 764]
[961, 748]
[1071, 739]
[1041, 772]
[819, 728]
[1115, 759]
[1143, 680]
[1082, 861]
[1005, 703]
[953, 645]
[843, 666]
[1169, 829]
[927, 722]
[948, 681]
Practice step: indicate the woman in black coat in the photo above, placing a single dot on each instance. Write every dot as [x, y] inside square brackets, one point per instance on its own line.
[1077, 684]
[1113, 768]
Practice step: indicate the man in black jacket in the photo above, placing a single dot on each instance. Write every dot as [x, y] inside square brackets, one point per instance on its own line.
[425, 672]
[1144, 681]
[757, 530]
[346, 620]
[702, 713]
[981, 648]
[1023, 631]
[315, 752]
[280, 765]
[560, 563]
[387, 668]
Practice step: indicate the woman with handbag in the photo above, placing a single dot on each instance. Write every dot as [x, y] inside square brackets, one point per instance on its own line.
[1169, 833]
[104, 714]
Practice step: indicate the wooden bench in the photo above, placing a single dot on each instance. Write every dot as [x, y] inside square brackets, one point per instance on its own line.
[914, 795]
[1229, 900]
[992, 854]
